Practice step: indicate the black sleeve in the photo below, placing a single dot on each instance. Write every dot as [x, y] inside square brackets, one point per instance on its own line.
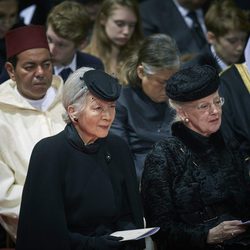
[42, 223]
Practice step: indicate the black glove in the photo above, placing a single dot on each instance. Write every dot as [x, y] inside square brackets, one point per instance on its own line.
[107, 242]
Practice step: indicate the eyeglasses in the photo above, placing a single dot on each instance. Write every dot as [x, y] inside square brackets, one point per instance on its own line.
[218, 102]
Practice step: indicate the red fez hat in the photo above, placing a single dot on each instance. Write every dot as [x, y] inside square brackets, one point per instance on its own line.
[26, 37]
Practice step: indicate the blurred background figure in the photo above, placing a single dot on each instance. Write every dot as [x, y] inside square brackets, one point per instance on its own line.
[36, 12]
[92, 7]
[8, 15]
[9, 18]
[68, 27]
[143, 115]
[183, 20]
[228, 27]
[117, 30]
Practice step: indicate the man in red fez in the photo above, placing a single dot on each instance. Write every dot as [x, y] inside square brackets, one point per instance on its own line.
[31, 109]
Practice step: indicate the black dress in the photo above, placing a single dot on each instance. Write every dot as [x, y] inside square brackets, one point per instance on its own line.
[75, 192]
[190, 184]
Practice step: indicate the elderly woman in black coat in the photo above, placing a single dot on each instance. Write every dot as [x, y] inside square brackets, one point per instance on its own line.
[81, 184]
[195, 186]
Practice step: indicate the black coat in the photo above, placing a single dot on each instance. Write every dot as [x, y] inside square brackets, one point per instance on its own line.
[205, 57]
[190, 184]
[75, 192]
[87, 60]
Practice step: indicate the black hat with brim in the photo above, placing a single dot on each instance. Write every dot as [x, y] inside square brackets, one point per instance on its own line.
[102, 85]
[192, 83]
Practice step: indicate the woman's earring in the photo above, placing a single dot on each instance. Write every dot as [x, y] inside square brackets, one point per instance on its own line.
[186, 120]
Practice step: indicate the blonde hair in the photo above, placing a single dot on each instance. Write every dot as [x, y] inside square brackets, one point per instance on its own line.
[100, 45]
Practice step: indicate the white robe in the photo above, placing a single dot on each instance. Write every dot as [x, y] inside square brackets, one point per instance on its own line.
[21, 127]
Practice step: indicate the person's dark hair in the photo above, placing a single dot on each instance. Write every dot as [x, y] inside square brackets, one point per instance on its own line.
[70, 21]
[156, 52]
[224, 16]
[13, 60]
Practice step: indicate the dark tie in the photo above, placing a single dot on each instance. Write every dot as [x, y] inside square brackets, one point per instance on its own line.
[196, 27]
[65, 73]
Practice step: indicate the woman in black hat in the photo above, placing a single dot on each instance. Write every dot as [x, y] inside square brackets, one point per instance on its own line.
[81, 184]
[194, 185]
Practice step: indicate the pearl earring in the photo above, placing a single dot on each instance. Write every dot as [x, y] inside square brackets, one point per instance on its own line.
[186, 120]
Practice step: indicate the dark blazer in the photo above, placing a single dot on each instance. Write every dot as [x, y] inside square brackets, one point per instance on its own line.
[205, 57]
[86, 60]
[160, 16]
[19, 23]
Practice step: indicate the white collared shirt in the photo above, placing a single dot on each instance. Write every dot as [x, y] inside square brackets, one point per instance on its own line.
[184, 12]
[221, 63]
[72, 66]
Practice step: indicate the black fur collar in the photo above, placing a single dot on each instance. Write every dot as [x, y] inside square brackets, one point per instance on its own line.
[196, 142]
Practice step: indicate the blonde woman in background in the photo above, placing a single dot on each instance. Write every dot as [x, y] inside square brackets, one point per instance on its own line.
[117, 29]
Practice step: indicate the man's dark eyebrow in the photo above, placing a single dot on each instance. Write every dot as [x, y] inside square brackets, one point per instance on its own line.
[48, 60]
[33, 62]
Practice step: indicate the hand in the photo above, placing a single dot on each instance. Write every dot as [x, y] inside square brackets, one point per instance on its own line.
[107, 242]
[224, 231]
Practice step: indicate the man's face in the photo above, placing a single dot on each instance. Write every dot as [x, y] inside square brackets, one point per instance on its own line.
[33, 73]
[8, 15]
[62, 50]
